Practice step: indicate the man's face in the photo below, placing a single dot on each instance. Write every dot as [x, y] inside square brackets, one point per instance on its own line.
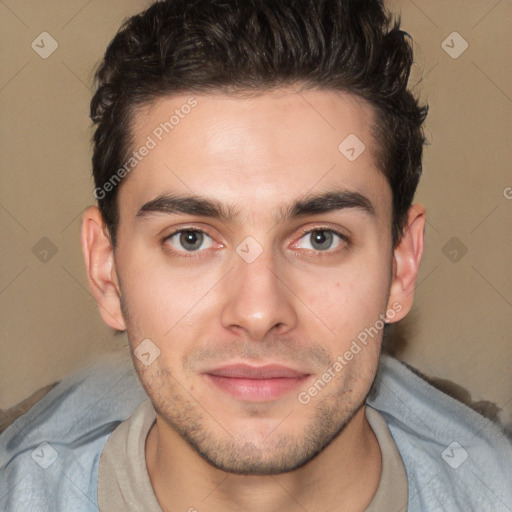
[268, 284]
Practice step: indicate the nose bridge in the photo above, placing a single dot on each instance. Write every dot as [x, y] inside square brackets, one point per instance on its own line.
[257, 301]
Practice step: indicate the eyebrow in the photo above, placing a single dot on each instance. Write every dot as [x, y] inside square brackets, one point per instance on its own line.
[325, 202]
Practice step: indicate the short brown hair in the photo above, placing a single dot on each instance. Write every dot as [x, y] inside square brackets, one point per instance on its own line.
[257, 45]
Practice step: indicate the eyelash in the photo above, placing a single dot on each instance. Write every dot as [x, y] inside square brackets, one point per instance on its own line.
[194, 254]
[345, 241]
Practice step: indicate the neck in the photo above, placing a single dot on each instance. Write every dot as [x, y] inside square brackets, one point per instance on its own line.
[345, 475]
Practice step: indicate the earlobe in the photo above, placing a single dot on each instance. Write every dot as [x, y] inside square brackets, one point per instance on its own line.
[406, 261]
[100, 267]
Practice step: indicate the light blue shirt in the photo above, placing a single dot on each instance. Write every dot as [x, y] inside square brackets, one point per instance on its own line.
[455, 459]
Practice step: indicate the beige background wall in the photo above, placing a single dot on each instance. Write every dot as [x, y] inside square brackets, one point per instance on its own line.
[461, 324]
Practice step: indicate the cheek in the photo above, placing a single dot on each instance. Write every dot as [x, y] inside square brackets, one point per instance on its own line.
[147, 290]
[350, 297]
[165, 302]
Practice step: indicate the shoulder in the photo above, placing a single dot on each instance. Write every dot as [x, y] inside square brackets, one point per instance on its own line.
[453, 456]
[49, 456]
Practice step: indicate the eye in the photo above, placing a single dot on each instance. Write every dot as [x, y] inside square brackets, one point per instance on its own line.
[321, 240]
[189, 240]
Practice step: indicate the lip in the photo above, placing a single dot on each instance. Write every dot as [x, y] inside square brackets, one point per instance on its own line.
[256, 383]
[245, 371]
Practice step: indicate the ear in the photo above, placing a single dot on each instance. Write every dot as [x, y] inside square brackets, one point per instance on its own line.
[100, 267]
[406, 261]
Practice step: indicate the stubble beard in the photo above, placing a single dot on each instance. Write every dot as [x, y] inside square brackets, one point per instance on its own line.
[275, 453]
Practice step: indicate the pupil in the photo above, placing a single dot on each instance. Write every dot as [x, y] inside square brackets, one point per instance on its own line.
[191, 240]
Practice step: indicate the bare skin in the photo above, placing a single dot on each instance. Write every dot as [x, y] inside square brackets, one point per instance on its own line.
[220, 443]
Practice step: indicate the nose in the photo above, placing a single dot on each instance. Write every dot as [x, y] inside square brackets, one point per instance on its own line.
[257, 299]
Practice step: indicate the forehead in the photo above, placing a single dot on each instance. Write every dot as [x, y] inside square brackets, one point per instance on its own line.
[266, 149]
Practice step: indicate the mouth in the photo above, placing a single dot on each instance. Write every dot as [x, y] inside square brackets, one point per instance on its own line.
[256, 384]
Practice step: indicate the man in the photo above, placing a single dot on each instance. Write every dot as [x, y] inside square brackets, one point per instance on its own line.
[255, 164]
